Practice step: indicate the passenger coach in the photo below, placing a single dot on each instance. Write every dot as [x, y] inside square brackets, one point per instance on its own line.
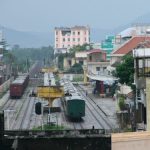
[74, 107]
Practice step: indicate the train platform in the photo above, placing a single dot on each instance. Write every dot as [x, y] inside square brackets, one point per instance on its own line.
[107, 104]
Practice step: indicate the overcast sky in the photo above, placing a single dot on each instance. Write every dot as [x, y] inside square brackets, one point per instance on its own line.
[44, 15]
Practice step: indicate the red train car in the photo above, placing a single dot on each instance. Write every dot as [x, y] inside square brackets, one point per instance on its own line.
[18, 86]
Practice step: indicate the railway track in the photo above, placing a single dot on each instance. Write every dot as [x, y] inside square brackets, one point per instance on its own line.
[96, 111]
[23, 115]
[10, 109]
[70, 124]
[77, 125]
[25, 123]
[10, 104]
[16, 105]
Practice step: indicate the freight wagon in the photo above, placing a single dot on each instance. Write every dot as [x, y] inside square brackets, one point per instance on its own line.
[18, 86]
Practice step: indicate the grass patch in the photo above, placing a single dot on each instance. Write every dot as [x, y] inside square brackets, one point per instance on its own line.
[49, 127]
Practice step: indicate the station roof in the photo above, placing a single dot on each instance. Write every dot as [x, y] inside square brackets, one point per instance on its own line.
[106, 78]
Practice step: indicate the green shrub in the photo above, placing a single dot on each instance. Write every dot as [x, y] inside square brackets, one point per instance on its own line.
[121, 103]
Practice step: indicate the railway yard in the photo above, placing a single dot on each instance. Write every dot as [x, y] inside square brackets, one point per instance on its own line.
[20, 112]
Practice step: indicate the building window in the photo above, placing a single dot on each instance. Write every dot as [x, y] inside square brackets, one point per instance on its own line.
[90, 58]
[78, 33]
[63, 46]
[74, 39]
[68, 39]
[56, 39]
[97, 68]
[63, 39]
[69, 62]
[73, 33]
[68, 45]
[56, 32]
[56, 45]
[78, 39]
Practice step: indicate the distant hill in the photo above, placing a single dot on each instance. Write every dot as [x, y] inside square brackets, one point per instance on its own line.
[98, 35]
[141, 20]
[27, 39]
[38, 39]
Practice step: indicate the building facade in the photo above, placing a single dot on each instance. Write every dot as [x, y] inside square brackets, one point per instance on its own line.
[81, 57]
[96, 62]
[66, 38]
[108, 45]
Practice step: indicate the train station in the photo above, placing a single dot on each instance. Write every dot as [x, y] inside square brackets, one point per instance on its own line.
[70, 80]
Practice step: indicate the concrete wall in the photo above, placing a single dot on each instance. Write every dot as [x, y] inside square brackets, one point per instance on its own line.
[99, 143]
[131, 141]
[148, 103]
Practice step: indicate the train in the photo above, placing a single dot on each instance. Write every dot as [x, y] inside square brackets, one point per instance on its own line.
[73, 102]
[74, 107]
[18, 86]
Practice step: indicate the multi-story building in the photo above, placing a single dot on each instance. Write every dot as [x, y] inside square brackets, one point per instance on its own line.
[96, 62]
[66, 38]
[108, 45]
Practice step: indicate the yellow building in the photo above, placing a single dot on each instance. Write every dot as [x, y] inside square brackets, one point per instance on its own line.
[68, 62]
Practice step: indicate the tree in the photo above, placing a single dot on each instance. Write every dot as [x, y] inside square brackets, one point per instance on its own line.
[125, 70]
[76, 68]
[79, 48]
[61, 61]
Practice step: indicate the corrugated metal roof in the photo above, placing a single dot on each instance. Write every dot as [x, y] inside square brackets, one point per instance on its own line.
[106, 78]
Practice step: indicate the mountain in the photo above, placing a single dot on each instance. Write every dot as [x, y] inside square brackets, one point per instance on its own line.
[27, 39]
[141, 20]
[38, 39]
[98, 34]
